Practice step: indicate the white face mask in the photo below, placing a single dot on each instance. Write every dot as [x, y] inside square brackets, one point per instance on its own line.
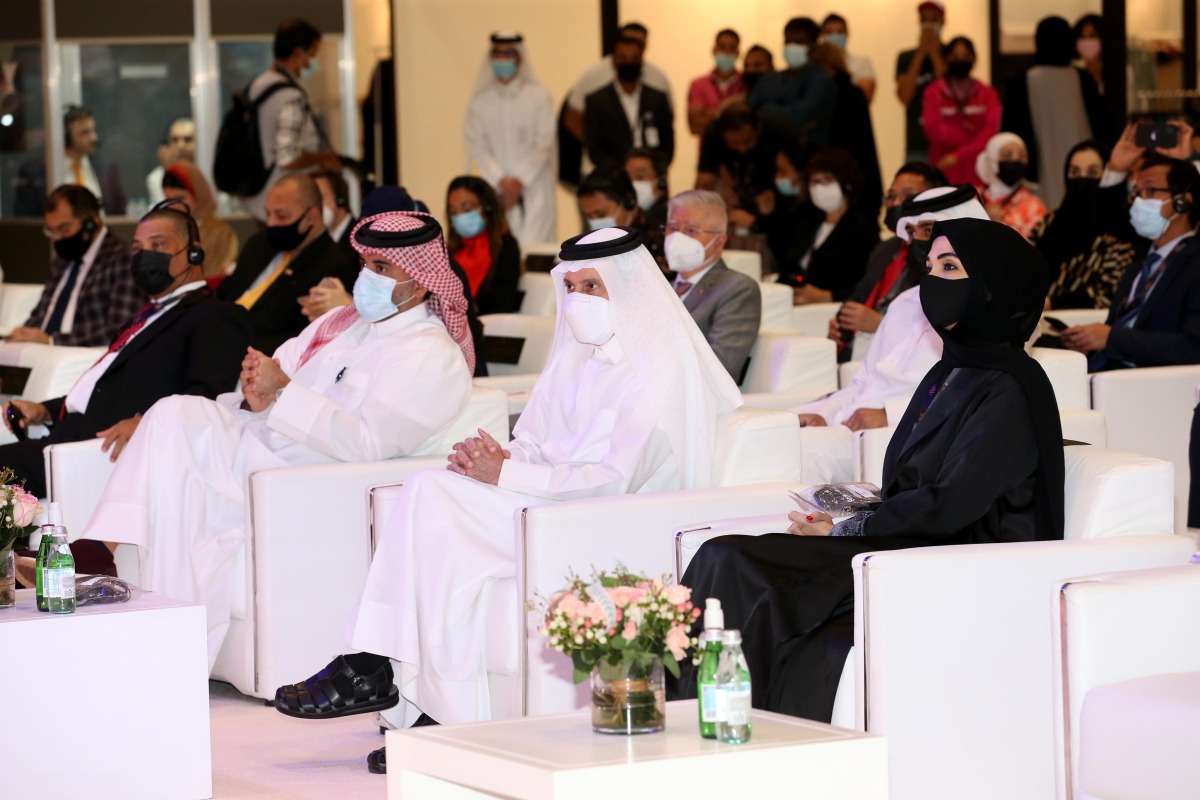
[373, 295]
[827, 196]
[327, 216]
[602, 222]
[587, 315]
[645, 194]
[684, 254]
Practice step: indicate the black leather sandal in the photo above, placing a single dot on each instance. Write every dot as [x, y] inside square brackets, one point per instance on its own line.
[338, 691]
[377, 761]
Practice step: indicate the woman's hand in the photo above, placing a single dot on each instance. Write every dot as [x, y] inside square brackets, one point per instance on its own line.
[814, 524]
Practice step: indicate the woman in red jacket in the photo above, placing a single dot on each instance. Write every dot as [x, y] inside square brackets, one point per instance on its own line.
[960, 114]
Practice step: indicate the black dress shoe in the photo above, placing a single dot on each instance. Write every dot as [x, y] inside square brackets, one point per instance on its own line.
[377, 762]
[339, 690]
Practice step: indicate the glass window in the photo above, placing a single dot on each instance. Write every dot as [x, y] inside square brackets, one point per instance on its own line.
[23, 131]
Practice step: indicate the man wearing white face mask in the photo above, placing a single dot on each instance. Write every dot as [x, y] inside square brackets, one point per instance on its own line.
[629, 402]
[375, 380]
[726, 305]
[804, 93]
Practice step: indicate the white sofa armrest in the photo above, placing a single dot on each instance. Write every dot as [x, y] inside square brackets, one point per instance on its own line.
[813, 319]
[781, 361]
[689, 539]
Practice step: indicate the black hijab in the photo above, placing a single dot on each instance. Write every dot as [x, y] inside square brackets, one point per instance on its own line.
[1079, 220]
[1054, 42]
[1009, 281]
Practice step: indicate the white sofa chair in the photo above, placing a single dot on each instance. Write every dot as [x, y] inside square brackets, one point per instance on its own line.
[289, 610]
[787, 370]
[52, 372]
[776, 307]
[1149, 410]
[17, 301]
[531, 339]
[538, 298]
[1127, 685]
[747, 262]
[812, 319]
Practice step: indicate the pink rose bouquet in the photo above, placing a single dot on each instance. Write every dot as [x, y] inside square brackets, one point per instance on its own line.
[17, 510]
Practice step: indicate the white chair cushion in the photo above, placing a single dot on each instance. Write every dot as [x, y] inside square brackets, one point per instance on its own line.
[846, 372]
[749, 263]
[813, 319]
[17, 301]
[781, 361]
[537, 334]
[1138, 739]
[1067, 371]
[776, 306]
[539, 299]
[1109, 492]
[755, 444]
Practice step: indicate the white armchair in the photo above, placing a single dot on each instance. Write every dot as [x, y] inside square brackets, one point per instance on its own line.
[17, 301]
[538, 298]
[1126, 685]
[812, 319]
[776, 306]
[53, 370]
[530, 339]
[787, 370]
[747, 262]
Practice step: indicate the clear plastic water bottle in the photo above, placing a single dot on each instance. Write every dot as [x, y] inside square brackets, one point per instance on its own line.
[59, 578]
[45, 534]
[733, 691]
[706, 675]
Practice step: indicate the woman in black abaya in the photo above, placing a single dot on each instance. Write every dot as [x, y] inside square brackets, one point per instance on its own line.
[977, 457]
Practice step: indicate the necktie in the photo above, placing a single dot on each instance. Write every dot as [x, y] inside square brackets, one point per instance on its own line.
[136, 324]
[682, 287]
[251, 296]
[54, 322]
[1147, 278]
[78, 168]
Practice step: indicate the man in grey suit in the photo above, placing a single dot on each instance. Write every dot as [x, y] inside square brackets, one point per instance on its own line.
[726, 305]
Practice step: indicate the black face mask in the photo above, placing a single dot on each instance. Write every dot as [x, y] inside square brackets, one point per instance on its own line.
[917, 260]
[1010, 172]
[959, 69]
[750, 78]
[74, 247]
[891, 218]
[628, 73]
[286, 238]
[152, 270]
[944, 301]
[1082, 187]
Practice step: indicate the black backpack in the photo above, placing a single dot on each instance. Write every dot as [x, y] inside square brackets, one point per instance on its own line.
[238, 167]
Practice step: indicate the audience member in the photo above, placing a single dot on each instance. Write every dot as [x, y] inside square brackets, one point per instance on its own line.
[757, 62]
[90, 294]
[178, 145]
[1155, 315]
[648, 172]
[336, 213]
[182, 181]
[377, 380]
[81, 167]
[959, 114]
[708, 92]
[629, 402]
[782, 210]
[835, 31]
[1087, 47]
[851, 126]
[726, 305]
[509, 134]
[292, 140]
[281, 263]
[480, 242]
[1001, 168]
[1053, 106]
[627, 113]
[831, 245]
[977, 457]
[607, 199]
[915, 70]
[804, 93]
[737, 157]
[1088, 240]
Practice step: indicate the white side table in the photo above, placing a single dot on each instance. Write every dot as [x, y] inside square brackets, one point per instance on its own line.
[111, 701]
[559, 757]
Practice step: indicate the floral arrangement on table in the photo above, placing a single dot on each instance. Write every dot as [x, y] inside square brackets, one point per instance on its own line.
[621, 630]
[18, 508]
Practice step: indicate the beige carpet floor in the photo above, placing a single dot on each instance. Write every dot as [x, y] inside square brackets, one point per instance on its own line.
[259, 754]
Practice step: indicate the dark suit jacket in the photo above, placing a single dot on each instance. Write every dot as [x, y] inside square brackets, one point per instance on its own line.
[606, 128]
[1167, 330]
[839, 263]
[498, 292]
[727, 307]
[107, 299]
[31, 189]
[276, 316]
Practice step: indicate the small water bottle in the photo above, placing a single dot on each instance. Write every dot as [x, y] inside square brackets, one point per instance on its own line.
[733, 691]
[706, 675]
[45, 535]
[59, 578]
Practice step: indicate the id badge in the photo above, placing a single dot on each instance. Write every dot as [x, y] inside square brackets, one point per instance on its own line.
[650, 137]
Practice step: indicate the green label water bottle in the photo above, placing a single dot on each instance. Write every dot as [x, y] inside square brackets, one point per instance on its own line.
[60, 575]
[706, 675]
[733, 691]
[43, 551]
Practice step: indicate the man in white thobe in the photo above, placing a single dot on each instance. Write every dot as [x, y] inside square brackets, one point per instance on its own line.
[629, 402]
[510, 136]
[902, 351]
[379, 379]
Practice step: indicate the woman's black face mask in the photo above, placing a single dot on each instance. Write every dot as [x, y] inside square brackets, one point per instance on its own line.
[944, 301]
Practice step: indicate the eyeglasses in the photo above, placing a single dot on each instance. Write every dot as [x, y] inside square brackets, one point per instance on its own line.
[61, 232]
[687, 230]
[1148, 192]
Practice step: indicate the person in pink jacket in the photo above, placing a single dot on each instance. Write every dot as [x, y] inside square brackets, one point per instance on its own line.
[960, 114]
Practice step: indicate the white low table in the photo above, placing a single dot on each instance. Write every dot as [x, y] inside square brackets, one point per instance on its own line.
[111, 701]
[559, 757]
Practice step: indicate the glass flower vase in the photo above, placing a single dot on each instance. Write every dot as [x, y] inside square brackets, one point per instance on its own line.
[630, 696]
[8, 578]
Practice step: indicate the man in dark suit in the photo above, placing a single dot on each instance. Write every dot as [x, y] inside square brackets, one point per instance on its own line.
[182, 342]
[627, 113]
[81, 167]
[726, 305]
[90, 294]
[279, 265]
[1154, 320]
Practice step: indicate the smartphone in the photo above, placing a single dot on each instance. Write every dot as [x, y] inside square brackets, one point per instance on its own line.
[1156, 135]
[15, 418]
[1056, 324]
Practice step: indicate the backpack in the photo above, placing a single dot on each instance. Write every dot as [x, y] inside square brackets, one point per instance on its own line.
[238, 167]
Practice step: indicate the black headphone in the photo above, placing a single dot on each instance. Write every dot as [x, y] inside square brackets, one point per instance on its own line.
[195, 253]
[89, 225]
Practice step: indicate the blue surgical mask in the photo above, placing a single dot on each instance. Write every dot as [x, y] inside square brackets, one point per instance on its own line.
[796, 55]
[787, 187]
[504, 68]
[468, 224]
[310, 71]
[603, 222]
[725, 62]
[373, 295]
[836, 38]
[1146, 217]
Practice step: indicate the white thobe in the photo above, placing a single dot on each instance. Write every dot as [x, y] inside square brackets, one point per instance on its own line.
[904, 348]
[377, 391]
[450, 539]
[510, 132]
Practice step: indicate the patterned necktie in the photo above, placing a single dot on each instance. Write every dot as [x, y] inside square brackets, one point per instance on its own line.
[136, 324]
[682, 288]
